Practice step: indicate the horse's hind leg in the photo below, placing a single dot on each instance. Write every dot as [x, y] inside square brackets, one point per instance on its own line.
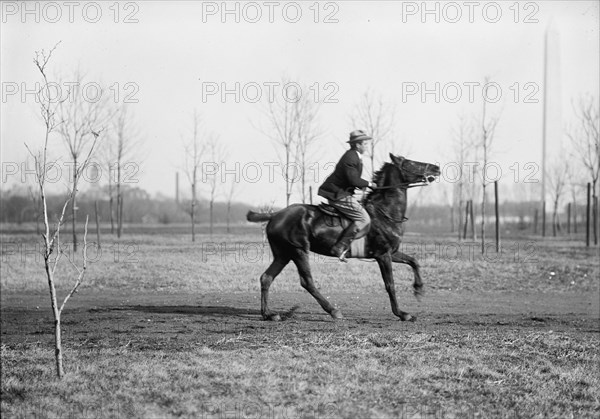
[265, 282]
[385, 265]
[300, 258]
[400, 257]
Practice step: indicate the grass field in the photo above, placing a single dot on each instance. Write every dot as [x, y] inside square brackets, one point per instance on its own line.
[168, 328]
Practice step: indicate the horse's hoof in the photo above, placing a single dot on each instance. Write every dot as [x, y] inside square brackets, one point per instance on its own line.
[272, 317]
[337, 314]
[408, 318]
[419, 293]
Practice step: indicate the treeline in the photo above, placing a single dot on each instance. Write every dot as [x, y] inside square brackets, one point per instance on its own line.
[138, 207]
[19, 206]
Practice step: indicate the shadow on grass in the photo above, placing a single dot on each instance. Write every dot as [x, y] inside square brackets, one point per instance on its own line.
[189, 310]
[196, 310]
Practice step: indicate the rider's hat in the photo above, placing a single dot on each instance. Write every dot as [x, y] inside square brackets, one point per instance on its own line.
[358, 135]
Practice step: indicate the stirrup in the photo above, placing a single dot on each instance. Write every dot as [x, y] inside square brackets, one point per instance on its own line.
[341, 255]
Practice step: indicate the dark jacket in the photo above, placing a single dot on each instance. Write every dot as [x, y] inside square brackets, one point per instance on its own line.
[345, 178]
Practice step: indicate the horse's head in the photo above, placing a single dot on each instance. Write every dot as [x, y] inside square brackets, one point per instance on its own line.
[412, 171]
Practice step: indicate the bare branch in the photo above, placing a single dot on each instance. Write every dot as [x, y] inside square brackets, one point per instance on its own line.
[82, 271]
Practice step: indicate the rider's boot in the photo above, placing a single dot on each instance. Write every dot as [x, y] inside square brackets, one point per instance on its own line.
[343, 244]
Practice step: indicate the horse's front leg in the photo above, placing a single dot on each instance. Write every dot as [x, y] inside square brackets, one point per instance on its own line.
[385, 264]
[399, 257]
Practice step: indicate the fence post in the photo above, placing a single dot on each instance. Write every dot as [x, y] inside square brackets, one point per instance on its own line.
[569, 218]
[497, 216]
[97, 223]
[588, 215]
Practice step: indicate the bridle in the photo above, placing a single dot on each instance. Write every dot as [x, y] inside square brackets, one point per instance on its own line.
[406, 185]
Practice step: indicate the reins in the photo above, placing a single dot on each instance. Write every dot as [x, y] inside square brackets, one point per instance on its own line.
[401, 186]
[404, 185]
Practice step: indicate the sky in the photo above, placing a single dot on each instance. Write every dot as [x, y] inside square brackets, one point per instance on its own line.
[170, 59]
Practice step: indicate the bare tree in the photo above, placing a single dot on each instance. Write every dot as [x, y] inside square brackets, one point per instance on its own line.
[125, 145]
[557, 178]
[78, 113]
[282, 115]
[107, 156]
[488, 127]
[51, 239]
[308, 132]
[37, 209]
[216, 153]
[463, 136]
[576, 184]
[585, 139]
[377, 118]
[266, 208]
[230, 194]
[194, 149]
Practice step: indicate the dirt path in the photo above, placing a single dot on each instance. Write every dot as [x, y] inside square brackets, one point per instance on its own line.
[180, 321]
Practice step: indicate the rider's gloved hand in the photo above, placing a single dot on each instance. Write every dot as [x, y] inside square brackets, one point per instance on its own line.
[372, 185]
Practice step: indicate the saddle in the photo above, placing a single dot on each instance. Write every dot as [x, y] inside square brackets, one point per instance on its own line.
[329, 210]
[334, 217]
[333, 212]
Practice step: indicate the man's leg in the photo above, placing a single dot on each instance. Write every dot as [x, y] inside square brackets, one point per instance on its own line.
[352, 209]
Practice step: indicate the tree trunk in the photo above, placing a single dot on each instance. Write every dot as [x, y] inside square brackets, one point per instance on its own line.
[471, 212]
[460, 224]
[97, 224]
[111, 202]
[211, 216]
[288, 182]
[569, 218]
[228, 215]
[575, 217]
[120, 215]
[587, 216]
[74, 205]
[466, 220]
[483, 221]
[119, 200]
[56, 312]
[595, 219]
[193, 212]
[544, 218]
[554, 217]
[497, 213]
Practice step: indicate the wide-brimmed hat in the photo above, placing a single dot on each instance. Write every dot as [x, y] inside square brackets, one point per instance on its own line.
[358, 135]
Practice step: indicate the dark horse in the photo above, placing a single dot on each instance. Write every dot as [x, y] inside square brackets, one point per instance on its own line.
[294, 231]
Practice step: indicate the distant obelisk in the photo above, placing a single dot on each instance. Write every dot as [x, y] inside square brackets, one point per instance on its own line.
[552, 121]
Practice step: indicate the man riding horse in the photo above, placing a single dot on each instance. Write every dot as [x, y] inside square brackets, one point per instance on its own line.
[339, 188]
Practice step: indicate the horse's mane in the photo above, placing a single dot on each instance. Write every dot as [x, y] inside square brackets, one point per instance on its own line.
[378, 178]
[375, 201]
[378, 175]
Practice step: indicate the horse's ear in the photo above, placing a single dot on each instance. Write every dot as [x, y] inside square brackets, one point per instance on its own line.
[395, 159]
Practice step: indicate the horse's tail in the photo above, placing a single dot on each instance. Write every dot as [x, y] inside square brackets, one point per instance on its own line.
[257, 217]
